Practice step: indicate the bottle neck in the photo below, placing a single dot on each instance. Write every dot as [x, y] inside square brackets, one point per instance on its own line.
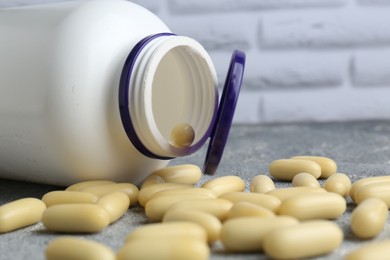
[167, 80]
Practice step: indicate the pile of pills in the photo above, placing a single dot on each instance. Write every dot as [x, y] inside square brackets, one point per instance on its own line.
[187, 217]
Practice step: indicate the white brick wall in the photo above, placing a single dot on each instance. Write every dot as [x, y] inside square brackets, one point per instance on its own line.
[307, 60]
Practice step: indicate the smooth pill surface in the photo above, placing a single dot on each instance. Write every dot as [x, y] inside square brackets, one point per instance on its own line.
[130, 189]
[20, 213]
[66, 197]
[247, 234]
[210, 223]
[286, 169]
[156, 208]
[168, 231]
[338, 183]
[267, 201]
[75, 218]
[328, 166]
[369, 218]
[262, 184]
[185, 174]
[115, 203]
[284, 193]
[380, 190]
[185, 191]
[377, 250]
[225, 184]
[72, 248]
[307, 239]
[146, 193]
[217, 207]
[164, 249]
[304, 179]
[152, 180]
[248, 209]
[362, 182]
[85, 184]
[316, 206]
[182, 135]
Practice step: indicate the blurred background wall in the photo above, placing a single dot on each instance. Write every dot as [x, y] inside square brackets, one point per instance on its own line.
[307, 60]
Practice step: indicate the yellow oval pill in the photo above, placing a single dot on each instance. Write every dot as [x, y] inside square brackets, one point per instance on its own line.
[267, 201]
[328, 166]
[369, 218]
[304, 179]
[247, 234]
[284, 193]
[316, 206]
[380, 190]
[338, 183]
[168, 231]
[184, 174]
[210, 223]
[72, 248]
[85, 184]
[20, 213]
[362, 182]
[182, 135]
[217, 207]
[152, 180]
[185, 191]
[115, 203]
[66, 197]
[165, 249]
[286, 169]
[377, 250]
[225, 184]
[146, 193]
[130, 189]
[261, 184]
[75, 218]
[248, 209]
[308, 239]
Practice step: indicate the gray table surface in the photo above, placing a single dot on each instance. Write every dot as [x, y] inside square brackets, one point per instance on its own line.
[361, 149]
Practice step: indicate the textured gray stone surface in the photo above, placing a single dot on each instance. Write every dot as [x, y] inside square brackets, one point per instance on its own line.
[360, 149]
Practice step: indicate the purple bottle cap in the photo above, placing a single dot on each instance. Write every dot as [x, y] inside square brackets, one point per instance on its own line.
[225, 112]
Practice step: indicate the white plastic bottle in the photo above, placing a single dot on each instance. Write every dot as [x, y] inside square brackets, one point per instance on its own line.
[92, 90]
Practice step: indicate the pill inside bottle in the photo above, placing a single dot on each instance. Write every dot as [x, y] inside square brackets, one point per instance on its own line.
[182, 135]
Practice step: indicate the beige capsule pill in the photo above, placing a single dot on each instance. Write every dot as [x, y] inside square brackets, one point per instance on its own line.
[379, 250]
[146, 193]
[75, 218]
[184, 174]
[73, 248]
[248, 209]
[267, 201]
[225, 184]
[164, 249]
[182, 135]
[130, 189]
[284, 193]
[66, 197]
[326, 205]
[247, 234]
[85, 184]
[369, 218]
[20, 213]
[261, 184]
[208, 222]
[304, 179]
[307, 239]
[328, 166]
[217, 207]
[380, 190]
[115, 203]
[152, 180]
[156, 208]
[286, 169]
[362, 182]
[168, 231]
[185, 191]
[338, 183]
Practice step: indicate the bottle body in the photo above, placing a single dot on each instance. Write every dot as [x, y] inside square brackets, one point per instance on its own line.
[59, 113]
